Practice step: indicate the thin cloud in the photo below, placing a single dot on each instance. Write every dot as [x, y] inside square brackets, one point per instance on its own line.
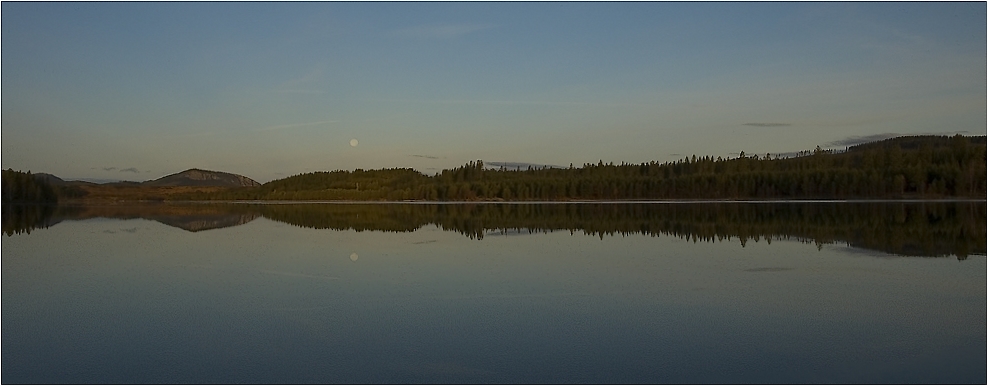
[767, 124]
[423, 156]
[294, 125]
[110, 169]
[447, 31]
[130, 170]
[305, 82]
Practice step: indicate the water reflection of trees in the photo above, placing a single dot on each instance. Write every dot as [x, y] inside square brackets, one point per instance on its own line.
[19, 219]
[902, 228]
[912, 229]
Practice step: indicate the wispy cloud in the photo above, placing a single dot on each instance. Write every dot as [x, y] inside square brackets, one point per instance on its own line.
[304, 84]
[122, 170]
[767, 124]
[294, 125]
[441, 31]
[423, 156]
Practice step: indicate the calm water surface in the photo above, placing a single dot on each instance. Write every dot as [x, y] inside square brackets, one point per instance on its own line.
[620, 294]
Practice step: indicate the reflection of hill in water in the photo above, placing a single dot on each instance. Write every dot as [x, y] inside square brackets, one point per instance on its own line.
[901, 228]
[196, 223]
[193, 218]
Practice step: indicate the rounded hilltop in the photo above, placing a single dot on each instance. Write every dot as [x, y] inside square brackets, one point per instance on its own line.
[200, 177]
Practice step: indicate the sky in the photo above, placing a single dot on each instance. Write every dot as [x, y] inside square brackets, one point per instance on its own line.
[137, 91]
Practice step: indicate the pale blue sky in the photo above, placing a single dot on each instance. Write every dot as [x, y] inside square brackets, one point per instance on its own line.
[274, 89]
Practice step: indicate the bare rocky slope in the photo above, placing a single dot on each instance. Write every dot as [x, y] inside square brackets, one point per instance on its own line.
[199, 177]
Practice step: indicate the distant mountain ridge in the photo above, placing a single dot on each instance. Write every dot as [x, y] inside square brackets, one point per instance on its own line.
[49, 178]
[199, 177]
[191, 177]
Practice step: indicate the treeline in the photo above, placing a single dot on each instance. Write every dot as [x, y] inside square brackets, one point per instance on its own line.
[901, 228]
[904, 167]
[20, 187]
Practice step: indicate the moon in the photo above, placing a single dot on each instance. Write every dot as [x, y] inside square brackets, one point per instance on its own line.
[353, 142]
[353, 257]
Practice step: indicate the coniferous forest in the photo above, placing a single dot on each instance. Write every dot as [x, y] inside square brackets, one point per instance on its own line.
[20, 187]
[904, 167]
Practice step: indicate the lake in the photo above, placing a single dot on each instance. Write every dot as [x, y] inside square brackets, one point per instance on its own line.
[798, 292]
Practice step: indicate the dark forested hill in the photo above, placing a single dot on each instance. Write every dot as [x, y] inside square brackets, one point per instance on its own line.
[27, 187]
[919, 142]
